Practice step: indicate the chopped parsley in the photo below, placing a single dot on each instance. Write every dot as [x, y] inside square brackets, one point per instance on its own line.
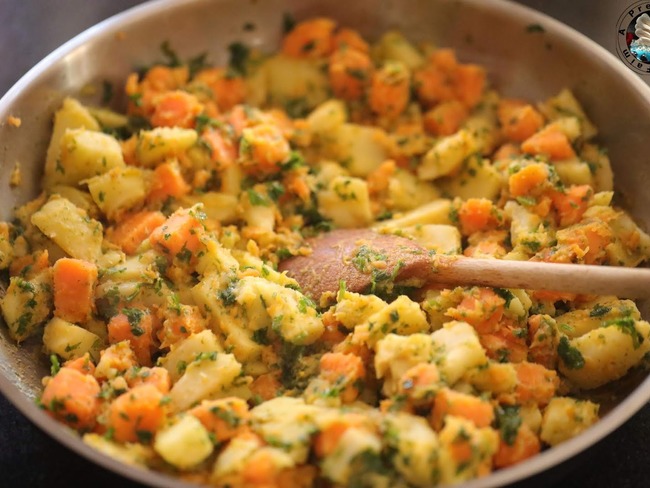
[599, 310]
[508, 421]
[570, 355]
[134, 315]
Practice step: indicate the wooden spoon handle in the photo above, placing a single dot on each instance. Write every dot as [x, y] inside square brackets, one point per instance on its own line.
[582, 279]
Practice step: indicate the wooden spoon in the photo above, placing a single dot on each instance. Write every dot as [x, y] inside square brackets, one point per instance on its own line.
[360, 257]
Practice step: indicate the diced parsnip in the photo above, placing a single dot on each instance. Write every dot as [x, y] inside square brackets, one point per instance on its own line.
[298, 85]
[133, 453]
[397, 354]
[247, 261]
[565, 418]
[162, 143]
[27, 304]
[184, 444]
[186, 351]
[458, 350]
[591, 315]
[70, 341]
[441, 238]
[258, 209]
[393, 46]
[70, 228]
[482, 124]
[402, 316]
[119, 190]
[294, 317]
[221, 207]
[604, 354]
[447, 155]
[574, 172]
[416, 448]
[354, 308]
[231, 180]
[233, 457]
[327, 117]
[465, 450]
[216, 258]
[477, 179]
[208, 376]
[600, 165]
[565, 104]
[632, 245]
[526, 229]
[346, 202]
[435, 212]
[406, 191]
[495, 377]
[288, 422]
[358, 148]
[108, 118]
[80, 198]
[337, 466]
[569, 126]
[84, 154]
[71, 115]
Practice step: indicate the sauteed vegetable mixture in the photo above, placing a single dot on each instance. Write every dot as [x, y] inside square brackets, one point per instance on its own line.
[148, 266]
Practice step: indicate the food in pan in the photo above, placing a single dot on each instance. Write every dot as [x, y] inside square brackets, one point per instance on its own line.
[148, 268]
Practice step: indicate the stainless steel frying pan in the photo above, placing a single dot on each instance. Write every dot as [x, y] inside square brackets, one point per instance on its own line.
[522, 62]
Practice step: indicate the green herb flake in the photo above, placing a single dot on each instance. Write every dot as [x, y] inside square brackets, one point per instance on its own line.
[570, 355]
[238, 57]
[508, 421]
[627, 326]
[599, 310]
[134, 315]
[55, 366]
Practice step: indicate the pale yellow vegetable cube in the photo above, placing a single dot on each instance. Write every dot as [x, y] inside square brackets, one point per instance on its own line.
[221, 207]
[459, 350]
[565, 104]
[604, 354]
[565, 418]
[70, 341]
[84, 154]
[393, 46]
[296, 84]
[360, 149]
[133, 454]
[186, 351]
[346, 202]
[435, 212]
[27, 304]
[477, 179]
[70, 228]
[447, 155]
[71, 115]
[119, 190]
[327, 117]
[184, 444]
[209, 375]
[156, 145]
[483, 444]
[574, 172]
[336, 466]
[416, 448]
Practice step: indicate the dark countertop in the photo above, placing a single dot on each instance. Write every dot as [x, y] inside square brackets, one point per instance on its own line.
[29, 458]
